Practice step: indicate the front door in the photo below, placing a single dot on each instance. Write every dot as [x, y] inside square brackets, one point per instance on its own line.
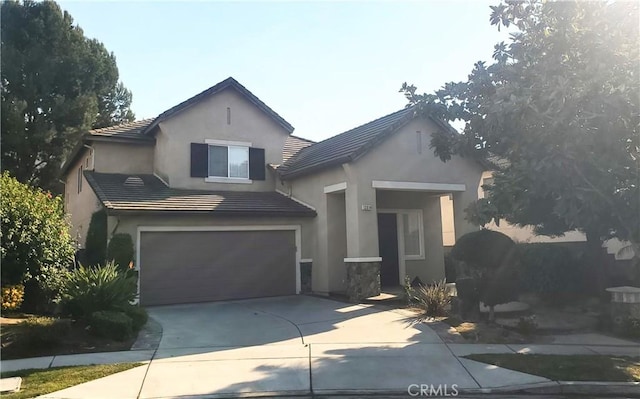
[388, 243]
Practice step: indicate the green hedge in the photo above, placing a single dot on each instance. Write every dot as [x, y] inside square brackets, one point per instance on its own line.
[96, 242]
[111, 324]
[548, 269]
[120, 250]
[43, 331]
[138, 315]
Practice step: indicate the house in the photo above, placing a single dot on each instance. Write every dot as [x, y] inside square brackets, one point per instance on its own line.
[223, 202]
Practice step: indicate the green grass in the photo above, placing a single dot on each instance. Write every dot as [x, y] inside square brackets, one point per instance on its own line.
[36, 382]
[568, 367]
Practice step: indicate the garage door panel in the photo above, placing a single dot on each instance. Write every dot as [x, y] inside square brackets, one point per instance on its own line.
[196, 266]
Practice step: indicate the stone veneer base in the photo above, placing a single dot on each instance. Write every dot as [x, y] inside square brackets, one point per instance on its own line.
[363, 280]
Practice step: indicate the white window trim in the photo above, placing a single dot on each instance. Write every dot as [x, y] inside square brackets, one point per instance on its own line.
[416, 186]
[402, 258]
[218, 179]
[228, 144]
[295, 228]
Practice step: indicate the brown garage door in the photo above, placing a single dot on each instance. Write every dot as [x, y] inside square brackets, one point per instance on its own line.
[200, 266]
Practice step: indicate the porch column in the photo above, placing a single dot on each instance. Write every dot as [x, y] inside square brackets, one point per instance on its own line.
[362, 261]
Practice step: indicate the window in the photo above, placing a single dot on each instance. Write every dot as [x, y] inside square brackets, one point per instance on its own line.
[413, 235]
[486, 182]
[80, 179]
[221, 161]
[229, 161]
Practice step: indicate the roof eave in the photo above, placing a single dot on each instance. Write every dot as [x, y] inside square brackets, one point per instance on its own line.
[284, 175]
[115, 211]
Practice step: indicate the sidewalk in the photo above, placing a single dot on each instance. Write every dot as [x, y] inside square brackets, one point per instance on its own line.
[298, 369]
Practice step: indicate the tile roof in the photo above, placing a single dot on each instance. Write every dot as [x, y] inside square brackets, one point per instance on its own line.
[131, 130]
[293, 145]
[229, 82]
[143, 193]
[345, 147]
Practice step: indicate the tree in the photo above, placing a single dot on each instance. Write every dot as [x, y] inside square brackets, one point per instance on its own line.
[559, 106]
[36, 245]
[55, 83]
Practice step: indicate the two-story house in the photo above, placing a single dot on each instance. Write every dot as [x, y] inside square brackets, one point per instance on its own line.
[222, 202]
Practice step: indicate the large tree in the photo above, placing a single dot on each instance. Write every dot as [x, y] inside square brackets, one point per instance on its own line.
[55, 83]
[559, 107]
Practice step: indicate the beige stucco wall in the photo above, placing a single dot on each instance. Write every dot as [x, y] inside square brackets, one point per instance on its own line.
[80, 205]
[328, 251]
[399, 159]
[396, 159]
[207, 119]
[123, 157]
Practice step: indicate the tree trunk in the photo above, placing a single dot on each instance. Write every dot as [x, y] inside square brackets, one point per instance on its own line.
[597, 277]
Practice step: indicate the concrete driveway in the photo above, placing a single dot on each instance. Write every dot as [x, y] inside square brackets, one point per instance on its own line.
[297, 344]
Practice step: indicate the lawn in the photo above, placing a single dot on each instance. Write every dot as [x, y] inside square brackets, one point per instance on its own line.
[36, 382]
[568, 367]
[16, 342]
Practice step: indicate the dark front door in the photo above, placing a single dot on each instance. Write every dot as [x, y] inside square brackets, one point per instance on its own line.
[388, 242]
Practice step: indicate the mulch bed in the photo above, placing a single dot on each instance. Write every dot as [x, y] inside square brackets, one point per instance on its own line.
[78, 340]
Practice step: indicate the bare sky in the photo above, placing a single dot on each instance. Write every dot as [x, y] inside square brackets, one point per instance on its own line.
[325, 67]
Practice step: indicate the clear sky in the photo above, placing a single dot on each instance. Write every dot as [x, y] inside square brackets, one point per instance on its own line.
[325, 67]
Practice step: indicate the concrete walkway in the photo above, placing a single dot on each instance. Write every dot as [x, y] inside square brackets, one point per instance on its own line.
[299, 345]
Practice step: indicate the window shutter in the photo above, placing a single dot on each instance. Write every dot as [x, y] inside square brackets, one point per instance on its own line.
[199, 160]
[256, 164]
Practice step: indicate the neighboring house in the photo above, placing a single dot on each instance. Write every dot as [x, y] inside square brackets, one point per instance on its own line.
[523, 234]
[222, 202]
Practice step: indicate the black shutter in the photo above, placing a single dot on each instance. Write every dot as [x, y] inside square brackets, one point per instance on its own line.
[256, 164]
[199, 160]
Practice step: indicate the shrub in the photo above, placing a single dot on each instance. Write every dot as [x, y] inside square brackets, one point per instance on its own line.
[111, 324]
[433, 299]
[44, 331]
[34, 235]
[120, 250]
[547, 268]
[96, 241]
[138, 315]
[489, 257]
[631, 328]
[527, 325]
[92, 289]
[12, 296]
[52, 281]
[449, 268]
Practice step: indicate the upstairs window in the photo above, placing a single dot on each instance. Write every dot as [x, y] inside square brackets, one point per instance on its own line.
[227, 162]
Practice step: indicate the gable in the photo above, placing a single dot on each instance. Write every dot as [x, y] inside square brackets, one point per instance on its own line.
[406, 156]
[229, 83]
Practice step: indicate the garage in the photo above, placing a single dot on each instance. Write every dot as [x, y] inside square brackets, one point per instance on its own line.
[200, 266]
